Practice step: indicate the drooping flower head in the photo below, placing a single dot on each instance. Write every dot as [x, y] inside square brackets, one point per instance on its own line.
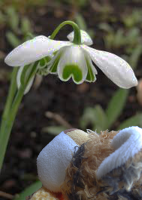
[70, 60]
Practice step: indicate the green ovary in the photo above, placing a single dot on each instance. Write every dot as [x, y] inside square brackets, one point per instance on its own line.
[72, 70]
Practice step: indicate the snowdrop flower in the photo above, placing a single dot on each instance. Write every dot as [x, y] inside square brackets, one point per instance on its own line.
[72, 60]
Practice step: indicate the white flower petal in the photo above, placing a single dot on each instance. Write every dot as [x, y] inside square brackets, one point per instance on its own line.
[72, 64]
[115, 68]
[33, 50]
[85, 38]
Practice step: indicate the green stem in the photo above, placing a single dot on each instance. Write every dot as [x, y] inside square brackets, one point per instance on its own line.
[8, 127]
[12, 114]
[11, 93]
[10, 97]
[77, 34]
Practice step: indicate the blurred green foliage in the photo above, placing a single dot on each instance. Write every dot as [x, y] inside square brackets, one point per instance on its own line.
[21, 6]
[100, 119]
[28, 191]
[78, 3]
[18, 27]
[79, 19]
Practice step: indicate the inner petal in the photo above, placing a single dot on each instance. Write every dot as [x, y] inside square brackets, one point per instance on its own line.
[72, 64]
[91, 76]
[54, 63]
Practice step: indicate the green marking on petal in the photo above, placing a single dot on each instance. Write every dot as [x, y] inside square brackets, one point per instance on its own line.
[91, 77]
[72, 70]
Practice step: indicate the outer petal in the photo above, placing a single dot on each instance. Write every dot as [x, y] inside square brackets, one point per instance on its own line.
[33, 50]
[72, 64]
[115, 68]
[85, 38]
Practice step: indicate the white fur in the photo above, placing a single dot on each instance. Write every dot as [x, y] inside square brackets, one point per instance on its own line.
[126, 143]
[53, 161]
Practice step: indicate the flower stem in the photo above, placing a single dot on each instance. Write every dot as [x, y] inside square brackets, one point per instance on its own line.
[11, 111]
[77, 34]
[10, 97]
[11, 93]
[4, 137]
